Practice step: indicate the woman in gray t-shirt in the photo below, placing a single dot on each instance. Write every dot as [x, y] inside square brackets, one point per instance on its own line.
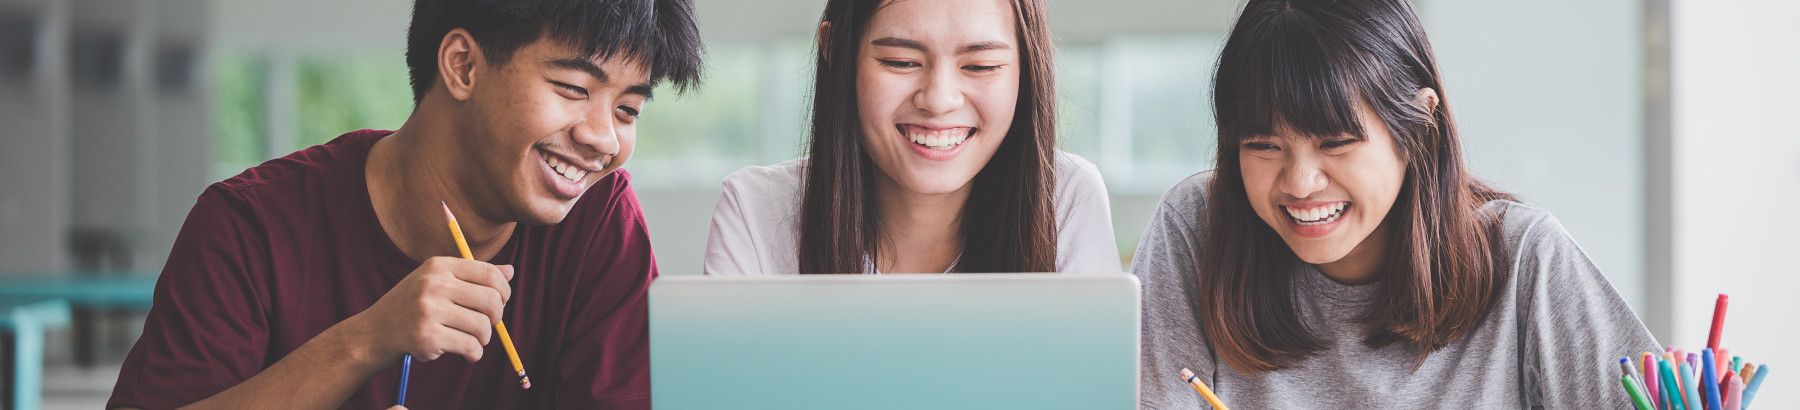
[1340, 255]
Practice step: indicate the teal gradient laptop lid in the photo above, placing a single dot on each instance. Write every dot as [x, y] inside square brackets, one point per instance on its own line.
[963, 341]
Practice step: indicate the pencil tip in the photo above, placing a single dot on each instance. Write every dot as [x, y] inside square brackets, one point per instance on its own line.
[447, 213]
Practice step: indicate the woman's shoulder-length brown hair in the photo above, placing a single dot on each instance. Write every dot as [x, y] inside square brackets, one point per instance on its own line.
[1307, 65]
[1007, 224]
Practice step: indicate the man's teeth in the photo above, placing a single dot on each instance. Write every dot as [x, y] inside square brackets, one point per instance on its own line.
[567, 171]
[941, 139]
[1319, 214]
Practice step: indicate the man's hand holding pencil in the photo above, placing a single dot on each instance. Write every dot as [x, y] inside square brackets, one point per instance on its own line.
[446, 305]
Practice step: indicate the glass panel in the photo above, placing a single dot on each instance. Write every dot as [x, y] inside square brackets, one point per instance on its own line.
[342, 94]
[240, 121]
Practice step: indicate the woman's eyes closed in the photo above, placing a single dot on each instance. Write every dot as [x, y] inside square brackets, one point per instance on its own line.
[1331, 145]
[902, 64]
[907, 65]
[981, 68]
[1260, 146]
[1338, 143]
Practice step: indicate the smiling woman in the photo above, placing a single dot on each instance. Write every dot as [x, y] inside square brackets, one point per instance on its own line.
[932, 150]
[1341, 255]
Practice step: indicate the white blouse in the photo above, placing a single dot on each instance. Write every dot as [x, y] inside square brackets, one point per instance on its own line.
[756, 223]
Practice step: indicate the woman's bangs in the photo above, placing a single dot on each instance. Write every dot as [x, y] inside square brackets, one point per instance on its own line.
[1283, 81]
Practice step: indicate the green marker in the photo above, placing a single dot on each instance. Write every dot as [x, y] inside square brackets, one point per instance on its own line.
[1637, 393]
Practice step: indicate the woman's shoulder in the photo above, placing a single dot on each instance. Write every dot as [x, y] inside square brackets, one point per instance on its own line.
[778, 177]
[1524, 227]
[766, 196]
[1539, 248]
[1077, 174]
[1176, 229]
[755, 225]
[1187, 199]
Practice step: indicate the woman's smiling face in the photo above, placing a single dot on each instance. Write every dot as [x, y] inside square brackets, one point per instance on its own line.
[937, 84]
[1325, 196]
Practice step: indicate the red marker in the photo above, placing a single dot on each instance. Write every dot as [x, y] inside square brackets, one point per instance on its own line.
[1718, 326]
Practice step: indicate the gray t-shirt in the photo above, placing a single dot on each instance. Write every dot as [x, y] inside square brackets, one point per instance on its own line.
[1557, 312]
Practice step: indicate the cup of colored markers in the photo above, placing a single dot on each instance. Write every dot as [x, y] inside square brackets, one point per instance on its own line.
[1707, 379]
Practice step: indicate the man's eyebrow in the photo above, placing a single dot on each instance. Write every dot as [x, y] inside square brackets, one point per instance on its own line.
[643, 89]
[582, 65]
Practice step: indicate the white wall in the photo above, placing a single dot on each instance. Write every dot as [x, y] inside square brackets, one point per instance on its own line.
[182, 119]
[126, 154]
[1736, 170]
[1548, 97]
[34, 184]
[108, 137]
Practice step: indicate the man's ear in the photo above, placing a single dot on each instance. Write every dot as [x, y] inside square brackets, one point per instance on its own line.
[1427, 98]
[457, 59]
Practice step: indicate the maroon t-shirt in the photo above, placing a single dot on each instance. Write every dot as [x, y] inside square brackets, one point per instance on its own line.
[274, 256]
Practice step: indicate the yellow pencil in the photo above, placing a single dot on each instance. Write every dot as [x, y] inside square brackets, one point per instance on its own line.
[462, 245]
[1194, 380]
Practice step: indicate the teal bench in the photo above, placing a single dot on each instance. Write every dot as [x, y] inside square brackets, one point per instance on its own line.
[22, 328]
[31, 304]
[109, 290]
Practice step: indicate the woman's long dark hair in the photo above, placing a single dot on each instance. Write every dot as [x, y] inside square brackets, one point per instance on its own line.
[1007, 224]
[1307, 65]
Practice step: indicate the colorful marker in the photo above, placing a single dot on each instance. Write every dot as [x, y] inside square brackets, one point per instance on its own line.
[1709, 379]
[1755, 382]
[1651, 383]
[1627, 369]
[1718, 323]
[1672, 391]
[1688, 386]
[1734, 396]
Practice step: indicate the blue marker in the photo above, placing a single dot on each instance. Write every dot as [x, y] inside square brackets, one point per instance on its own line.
[1709, 379]
[1755, 381]
[1689, 387]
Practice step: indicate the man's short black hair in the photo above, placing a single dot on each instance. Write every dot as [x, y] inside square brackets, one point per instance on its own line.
[658, 33]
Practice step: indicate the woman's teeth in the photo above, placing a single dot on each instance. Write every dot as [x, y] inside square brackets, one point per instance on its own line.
[942, 140]
[567, 171]
[1318, 215]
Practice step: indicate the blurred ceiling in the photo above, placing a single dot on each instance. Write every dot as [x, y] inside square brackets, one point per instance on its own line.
[337, 26]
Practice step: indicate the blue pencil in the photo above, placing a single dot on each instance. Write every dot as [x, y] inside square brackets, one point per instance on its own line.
[1755, 382]
[405, 374]
[1709, 379]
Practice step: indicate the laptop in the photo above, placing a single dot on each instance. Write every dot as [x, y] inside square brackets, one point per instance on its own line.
[959, 341]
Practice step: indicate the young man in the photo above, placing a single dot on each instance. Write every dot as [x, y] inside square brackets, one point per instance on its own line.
[303, 281]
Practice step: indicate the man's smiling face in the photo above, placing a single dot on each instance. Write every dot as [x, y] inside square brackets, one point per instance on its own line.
[548, 125]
